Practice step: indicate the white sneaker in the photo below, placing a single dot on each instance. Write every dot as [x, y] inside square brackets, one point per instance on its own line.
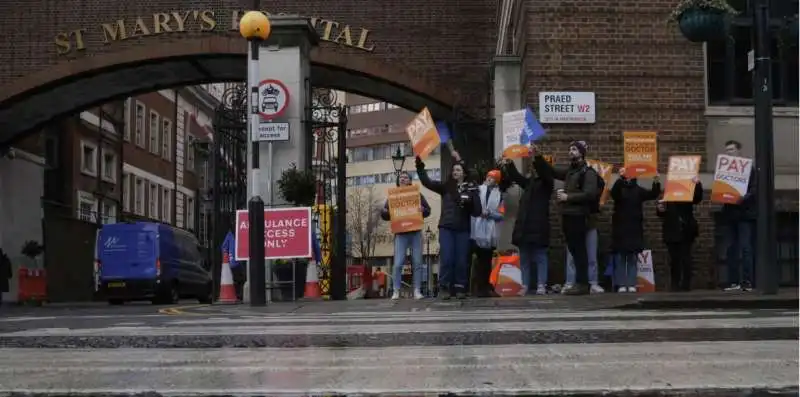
[734, 287]
[523, 291]
[541, 290]
[622, 290]
[418, 295]
[632, 289]
[395, 295]
[566, 288]
[596, 289]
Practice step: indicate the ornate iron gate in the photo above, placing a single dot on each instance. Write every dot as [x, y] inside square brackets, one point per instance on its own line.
[329, 162]
[229, 167]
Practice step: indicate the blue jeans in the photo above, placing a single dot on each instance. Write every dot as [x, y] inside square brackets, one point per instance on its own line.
[739, 243]
[591, 251]
[454, 258]
[528, 255]
[402, 243]
[626, 269]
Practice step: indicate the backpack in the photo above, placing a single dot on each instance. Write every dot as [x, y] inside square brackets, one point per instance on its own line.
[594, 206]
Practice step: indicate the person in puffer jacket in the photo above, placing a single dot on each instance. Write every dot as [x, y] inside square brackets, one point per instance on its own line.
[458, 206]
[407, 241]
[485, 230]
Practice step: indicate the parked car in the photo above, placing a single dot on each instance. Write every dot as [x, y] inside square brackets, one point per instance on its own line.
[150, 261]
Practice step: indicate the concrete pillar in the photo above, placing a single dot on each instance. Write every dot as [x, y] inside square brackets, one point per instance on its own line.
[285, 57]
[508, 96]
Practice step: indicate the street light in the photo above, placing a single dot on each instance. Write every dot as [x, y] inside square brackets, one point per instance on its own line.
[398, 160]
[255, 27]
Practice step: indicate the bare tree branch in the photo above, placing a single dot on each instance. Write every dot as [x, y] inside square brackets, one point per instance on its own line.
[363, 220]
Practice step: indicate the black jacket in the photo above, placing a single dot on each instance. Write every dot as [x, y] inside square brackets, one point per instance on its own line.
[746, 210]
[627, 229]
[580, 184]
[452, 216]
[678, 224]
[426, 209]
[532, 226]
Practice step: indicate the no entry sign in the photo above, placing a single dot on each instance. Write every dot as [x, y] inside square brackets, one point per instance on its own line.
[287, 233]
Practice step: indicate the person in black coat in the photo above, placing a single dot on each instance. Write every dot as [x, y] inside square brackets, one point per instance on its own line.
[627, 229]
[679, 230]
[532, 228]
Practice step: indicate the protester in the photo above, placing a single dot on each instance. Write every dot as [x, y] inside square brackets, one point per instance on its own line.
[627, 228]
[679, 230]
[485, 230]
[532, 228]
[458, 206]
[576, 198]
[738, 231]
[592, 237]
[407, 241]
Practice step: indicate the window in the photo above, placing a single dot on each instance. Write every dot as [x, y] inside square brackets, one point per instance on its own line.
[140, 111]
[166, 205]
[126, 192]
[729, 81]
[190, 152]
[190, 213]
[138, 197]
[166, 139]
[87, 207]
[127, 117]
[109, 213]
[152, 200]
[155, 129]
[88, 158]
[109, 166]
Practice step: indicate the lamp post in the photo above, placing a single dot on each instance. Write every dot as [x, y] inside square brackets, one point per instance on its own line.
[398, 161]
[255, 27]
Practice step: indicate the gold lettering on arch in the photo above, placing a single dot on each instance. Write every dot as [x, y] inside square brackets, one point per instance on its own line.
[200, 20]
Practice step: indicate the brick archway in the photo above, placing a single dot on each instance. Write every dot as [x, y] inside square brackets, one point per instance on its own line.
[66, 87]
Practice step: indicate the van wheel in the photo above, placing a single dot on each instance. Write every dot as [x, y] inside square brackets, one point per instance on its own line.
[174, 294]
[168, 297]
[207, 297]
[116, 302]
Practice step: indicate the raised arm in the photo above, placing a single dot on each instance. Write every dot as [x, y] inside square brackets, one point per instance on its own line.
[653, 193]
[434, 186]
[616, 190]
[426, 208]
[698, 193]
[510, 169]
[543, 168]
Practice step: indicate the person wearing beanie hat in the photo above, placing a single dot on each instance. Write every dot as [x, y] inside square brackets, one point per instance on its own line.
[485, 230]
[576, 199]
[531, 232]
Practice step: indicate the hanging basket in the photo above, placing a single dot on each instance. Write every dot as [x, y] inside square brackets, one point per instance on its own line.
[701, 25]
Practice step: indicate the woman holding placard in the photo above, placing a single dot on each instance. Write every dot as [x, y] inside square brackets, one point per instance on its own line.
[679, 230]
[627, 227]
[459, 205]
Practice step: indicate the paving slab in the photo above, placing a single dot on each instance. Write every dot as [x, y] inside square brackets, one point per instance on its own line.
[632, 369]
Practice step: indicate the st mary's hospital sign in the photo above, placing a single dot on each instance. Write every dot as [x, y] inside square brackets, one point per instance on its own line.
[183, 21]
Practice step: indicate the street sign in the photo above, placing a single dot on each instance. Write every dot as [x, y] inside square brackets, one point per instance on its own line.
[567, 108]
[287, 233]
[270, 132]
[273, 98]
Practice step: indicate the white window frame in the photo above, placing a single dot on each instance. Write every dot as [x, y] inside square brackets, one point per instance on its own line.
[166, 138]
[126, 192]
[139, 194]
[166, 205]
[189, 213]
[126, 135]
[114, 166]
[109, 213]
[91, 168]
[190, 139]
[140, 123]
[154, 132]
[152, 201]
[86, 198]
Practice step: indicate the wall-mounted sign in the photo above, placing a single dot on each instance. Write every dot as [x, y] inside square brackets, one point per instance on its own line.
[567, 108]
[270, 132]
[273, 98]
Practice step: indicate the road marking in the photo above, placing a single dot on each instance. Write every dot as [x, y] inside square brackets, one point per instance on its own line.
[179, 310]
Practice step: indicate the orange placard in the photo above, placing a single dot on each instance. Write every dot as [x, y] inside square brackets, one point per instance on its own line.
[641, 153]
[604, 170]
[731, 179]
[680, 172]
[506, 276]
[423, 134]
[405, 209]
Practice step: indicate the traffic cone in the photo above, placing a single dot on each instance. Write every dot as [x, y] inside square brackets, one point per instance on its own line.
[227, 291]
[312, 282]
